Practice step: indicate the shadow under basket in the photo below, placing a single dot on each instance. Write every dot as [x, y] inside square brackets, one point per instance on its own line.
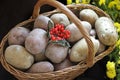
[70, 73]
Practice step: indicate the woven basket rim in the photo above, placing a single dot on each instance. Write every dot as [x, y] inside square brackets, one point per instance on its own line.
[79, 67]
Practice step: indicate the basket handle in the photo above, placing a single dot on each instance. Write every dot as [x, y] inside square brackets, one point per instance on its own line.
[73, 18]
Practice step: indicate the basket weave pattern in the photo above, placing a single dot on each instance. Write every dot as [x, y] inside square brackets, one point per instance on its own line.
[72, 11]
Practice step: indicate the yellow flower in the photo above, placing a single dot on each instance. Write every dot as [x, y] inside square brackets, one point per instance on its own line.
[118, 43]
[112, 4]
[69, 1]
[77, 1]
[111, 74]
[118, 61]
[117, 25]
[84, 1]
[118, 6]
[102, 2]
[110, 66]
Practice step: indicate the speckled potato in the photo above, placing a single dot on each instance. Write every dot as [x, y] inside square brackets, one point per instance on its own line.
[60, 18]
[18, 57]
[17, 36]
[106, 31]
[41, 67]
[56, 53]
[37, 41]
[75, 33]
[89, 16]
[42, 22]
[79, 51]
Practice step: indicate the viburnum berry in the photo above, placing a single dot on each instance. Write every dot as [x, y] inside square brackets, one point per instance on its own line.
[58, 32]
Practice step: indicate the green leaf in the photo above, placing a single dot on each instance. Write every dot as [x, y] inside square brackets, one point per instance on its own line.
[50, 25]
[118, 71]
[61, 42]
[118, 77]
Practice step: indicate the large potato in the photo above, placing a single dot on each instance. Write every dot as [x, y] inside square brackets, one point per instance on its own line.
[60, 18]
[42, 22]
[75, 33]
[37, 41]
[89, 16]
[79, 51]
[18, 57]
[106, 31]
[56, 53]
[18, 35]
[43, 66]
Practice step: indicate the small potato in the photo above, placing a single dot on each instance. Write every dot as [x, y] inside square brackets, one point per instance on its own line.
[18, 57]
[106, 31]
[60, 18]
[42, 22]
[87, 25]
[56, 53]
[101, 48]
[40, 57]
[37, 41]
[93, 33]
[43, 66]
[75, 33]
[17, 36]
[64, 64]
[79, 51]
[89, 16]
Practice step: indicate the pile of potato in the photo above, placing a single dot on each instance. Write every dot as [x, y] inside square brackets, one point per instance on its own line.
[30, 50]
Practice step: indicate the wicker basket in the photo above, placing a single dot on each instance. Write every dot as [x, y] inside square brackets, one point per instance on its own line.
[69, 73]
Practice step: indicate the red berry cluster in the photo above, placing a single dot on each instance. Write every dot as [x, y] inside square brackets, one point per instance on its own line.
[58, 32]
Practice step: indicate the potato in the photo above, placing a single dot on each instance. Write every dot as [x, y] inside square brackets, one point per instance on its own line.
[17, 36]
[106, 31]
[93, 33]
[101, 48]
[75, 33]
[60, 18]
[42, 22]
[89, 16]
[36, 41]
[56, 53]
[43, 66]
[79, 51]
[64, 64]
[18, 56]
[87, 25]
[40, 57]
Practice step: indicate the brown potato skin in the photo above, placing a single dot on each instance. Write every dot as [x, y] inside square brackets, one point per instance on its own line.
[18, 35]
[60, 18]
[64, 64]
[79, 50]
[56, 53]
[42, 22]
[43, 66]
[106, 31]
[37, 41]
[89, 16]
[19, 57]
[75, 33]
